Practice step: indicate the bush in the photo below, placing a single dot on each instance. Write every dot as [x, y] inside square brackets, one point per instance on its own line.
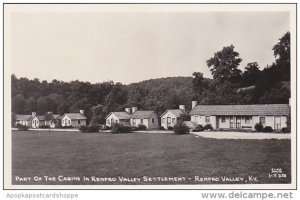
[22, 127]
[133, 128]
[259, 127]
[44, 126]
[161, 128]
[170, 128]
[198, 128]
[120, 128]
[208, 127]
[181, 128]
[268, 129]
[141, 127]
[89, 129]
[285, 130]
[82, 129]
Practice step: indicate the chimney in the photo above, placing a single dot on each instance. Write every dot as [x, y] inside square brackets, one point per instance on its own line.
[133, 109]
[127, 110]
[33, 114]
[81, 111]
[194, 104]
[182, 107]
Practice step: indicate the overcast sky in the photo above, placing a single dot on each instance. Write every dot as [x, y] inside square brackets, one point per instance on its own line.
[133, 46]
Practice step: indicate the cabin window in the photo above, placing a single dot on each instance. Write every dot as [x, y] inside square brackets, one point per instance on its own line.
[163, 120]
[134, 121]
[142, 121]
[173, 120]
[152, 120]
[69, 121]
[223, 119]
[207, 119]
[78, 121]
[107, 121]
[262, 120]
[277, 122]
[247, 120]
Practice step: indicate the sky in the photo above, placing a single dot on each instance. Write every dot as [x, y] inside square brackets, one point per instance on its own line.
[133, 46]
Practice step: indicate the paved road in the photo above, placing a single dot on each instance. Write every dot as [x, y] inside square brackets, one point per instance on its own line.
[241, 135]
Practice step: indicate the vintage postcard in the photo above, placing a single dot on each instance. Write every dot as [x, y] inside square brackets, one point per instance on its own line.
[150, 96]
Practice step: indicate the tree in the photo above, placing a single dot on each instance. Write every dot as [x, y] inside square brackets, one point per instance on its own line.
[18, 103]
[282, 55]
[30, 105]
[224, 64]
[184, 117]
[98, 115]
[198, 83]
[250, 74]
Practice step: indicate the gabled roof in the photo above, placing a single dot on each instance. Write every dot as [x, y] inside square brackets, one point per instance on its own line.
[75, 116]
[141, 114]
[56, 116]
[120, 115]
[24, 117]
[258, 109]
[176, 112]
[41, 117]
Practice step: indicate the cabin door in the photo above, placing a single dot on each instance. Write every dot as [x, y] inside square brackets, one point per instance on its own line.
[168, 121]
[217, 122]
[238, 122]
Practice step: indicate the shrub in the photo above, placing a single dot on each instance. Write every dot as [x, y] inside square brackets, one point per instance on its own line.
[181, 128]
[170, 128]
[161, 128]
[89, 129]
[268, 129]
[198, 128]
[120, 128]
[259, 127]
[208, 127]
[44, 126]
[22, 127]
[141, 127]
[285, 130]
[133, 128]
[82, 129]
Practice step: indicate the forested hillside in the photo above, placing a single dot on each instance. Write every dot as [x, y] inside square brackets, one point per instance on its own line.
[269, 85]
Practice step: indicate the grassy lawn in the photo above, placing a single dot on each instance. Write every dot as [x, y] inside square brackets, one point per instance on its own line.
[73, 154]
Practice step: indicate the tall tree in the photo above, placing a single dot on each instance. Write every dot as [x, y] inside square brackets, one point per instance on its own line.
[282, 55]
[250, 74]
[224, 64]
[18, 103]
[30, 105]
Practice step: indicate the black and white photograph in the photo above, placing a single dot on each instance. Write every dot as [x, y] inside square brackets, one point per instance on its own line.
[150, 96]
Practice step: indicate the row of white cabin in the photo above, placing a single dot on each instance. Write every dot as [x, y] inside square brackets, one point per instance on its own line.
[219, 116]
[37, 121]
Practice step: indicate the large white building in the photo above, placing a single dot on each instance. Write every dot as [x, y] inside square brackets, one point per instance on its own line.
[241, 116]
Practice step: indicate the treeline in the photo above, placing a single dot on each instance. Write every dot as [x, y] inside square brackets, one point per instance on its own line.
[271, 85]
